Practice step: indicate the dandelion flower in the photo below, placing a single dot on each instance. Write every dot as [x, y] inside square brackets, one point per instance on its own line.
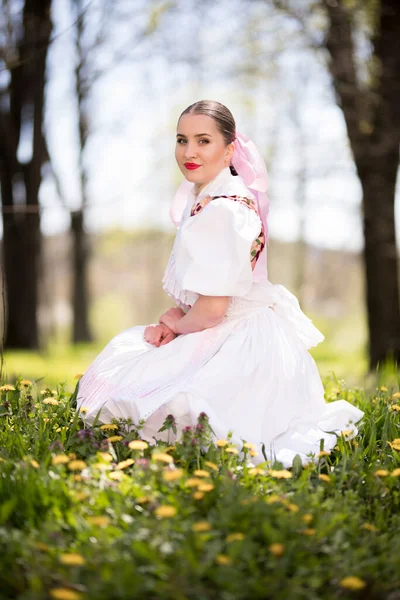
[276, 549]
[165, 511]
[76, 465]
[395, 445]
[256, 471]
[253, 453]
[83, 410]
[323, 453]
[369, 527]
[114, 438]
[105, 456]
[198, 495]
[383, 388]
[381, 473]
[352, 583]
[308, 531]
[324, 477]
[201, 526]
[395, 473]
[162, 456]
[109, 427]
[138, 445]
[249, 445]
[35, 464]
[53, 401]
[7, 388]
[124, 464]
[60, 459]
[396, 395]
[116, 475]
[205, 487]
[26, 382]
[222, 443]
[201, 473]
[273, 498]
[193, 482]
[143, 499]
[307, 518]
[62, 593]
[232, 450]
[292, 507]
[212, 465]
[99, 520]
[223, 559]
[283, 474]
[235, 537]
[395, 407]
[173, 475]
[72, 559]
[79, 375]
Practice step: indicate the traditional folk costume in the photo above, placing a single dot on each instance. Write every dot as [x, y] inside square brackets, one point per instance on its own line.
[252, 373]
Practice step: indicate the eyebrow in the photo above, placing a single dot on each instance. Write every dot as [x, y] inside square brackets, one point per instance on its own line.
[196, 135]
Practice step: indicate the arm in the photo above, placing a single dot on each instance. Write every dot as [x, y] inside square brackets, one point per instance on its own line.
[206, 312]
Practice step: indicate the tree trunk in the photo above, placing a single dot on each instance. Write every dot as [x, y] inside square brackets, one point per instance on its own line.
[81, 329]
[373, 123]
[20, 182]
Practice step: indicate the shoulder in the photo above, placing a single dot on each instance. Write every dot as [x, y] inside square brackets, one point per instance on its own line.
[233, 203]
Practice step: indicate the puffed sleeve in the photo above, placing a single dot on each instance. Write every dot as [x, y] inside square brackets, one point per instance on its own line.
[213, 254]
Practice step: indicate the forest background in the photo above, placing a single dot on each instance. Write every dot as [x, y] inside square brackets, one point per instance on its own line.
[90, 96]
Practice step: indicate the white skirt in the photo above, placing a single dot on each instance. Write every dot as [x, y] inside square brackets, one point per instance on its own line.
[251, 374]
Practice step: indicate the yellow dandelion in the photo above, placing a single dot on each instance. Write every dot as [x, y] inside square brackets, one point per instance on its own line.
[99, 520]
[212, 465]
[173, 475]
[395, 473]
[223, 559]
[235, 537]
[79, 375]
[116, 475]
[395, 445]
[62, 593]
[382, 473]
[256, 471]
[395, 407]
[124, 464]
[115, 438]
[72, 455]
[105, 456]
[165, 511]
[273, 498]
[323, 453]
[222, 443]
[347, 432]
[198, 495]
[143, 499]
[396, 395]
[101, 466]
[76, 465]
[352, 583]
[292, 507]
[205, 487]
[34, 464]
[7, 388]
[193, 482]
[72, 559]
[138, 445]
[283, 474]
[41, 546]
[249, 445]
[253, 453]
[324, 477]
[77, 478]
[383, 388]
[308, 531]
[369, 527]
[201, 473]
[276, 549]
[80, 496]
[109, 427]
[232, 450]
[201, 526]
[83, 410]
[162, 457]
[307, 518]
[26, 382]
[170, 449]
[53, 401]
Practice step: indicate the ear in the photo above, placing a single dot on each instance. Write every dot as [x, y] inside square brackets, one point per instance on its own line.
[230, 150]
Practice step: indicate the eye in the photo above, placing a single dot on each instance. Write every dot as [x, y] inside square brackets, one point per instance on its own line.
[206, 141]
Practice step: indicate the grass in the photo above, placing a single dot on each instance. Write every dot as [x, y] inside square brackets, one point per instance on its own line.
[93, 512]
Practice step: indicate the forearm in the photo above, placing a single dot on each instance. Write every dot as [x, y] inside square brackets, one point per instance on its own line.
[207, 312]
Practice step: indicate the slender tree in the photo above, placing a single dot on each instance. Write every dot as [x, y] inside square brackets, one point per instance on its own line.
[24, 51]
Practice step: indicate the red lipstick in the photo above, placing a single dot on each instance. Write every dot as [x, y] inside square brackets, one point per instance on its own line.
[191, 166]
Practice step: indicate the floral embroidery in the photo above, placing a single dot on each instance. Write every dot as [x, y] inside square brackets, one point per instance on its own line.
[258, 244]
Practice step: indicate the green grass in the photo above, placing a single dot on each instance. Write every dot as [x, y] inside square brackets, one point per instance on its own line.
[83, 514]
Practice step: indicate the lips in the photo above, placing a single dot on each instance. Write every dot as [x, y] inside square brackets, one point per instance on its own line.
[192, 166]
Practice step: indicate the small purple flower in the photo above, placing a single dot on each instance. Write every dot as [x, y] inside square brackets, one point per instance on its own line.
[143, 462]
[56, 445]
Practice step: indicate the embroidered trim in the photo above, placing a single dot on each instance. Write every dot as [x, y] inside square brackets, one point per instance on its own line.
[259, 243]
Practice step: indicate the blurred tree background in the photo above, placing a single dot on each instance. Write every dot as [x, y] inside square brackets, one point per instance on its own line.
[90, 93]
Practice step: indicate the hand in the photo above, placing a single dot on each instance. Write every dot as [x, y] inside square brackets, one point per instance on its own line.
[171, 317]
[158, 335]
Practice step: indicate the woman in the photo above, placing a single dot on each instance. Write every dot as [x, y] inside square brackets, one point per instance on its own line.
[236, 345]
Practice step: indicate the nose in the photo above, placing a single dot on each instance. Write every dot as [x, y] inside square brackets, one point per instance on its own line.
[190, 150]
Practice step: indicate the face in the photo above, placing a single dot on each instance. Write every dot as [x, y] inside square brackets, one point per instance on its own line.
[198, 142]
